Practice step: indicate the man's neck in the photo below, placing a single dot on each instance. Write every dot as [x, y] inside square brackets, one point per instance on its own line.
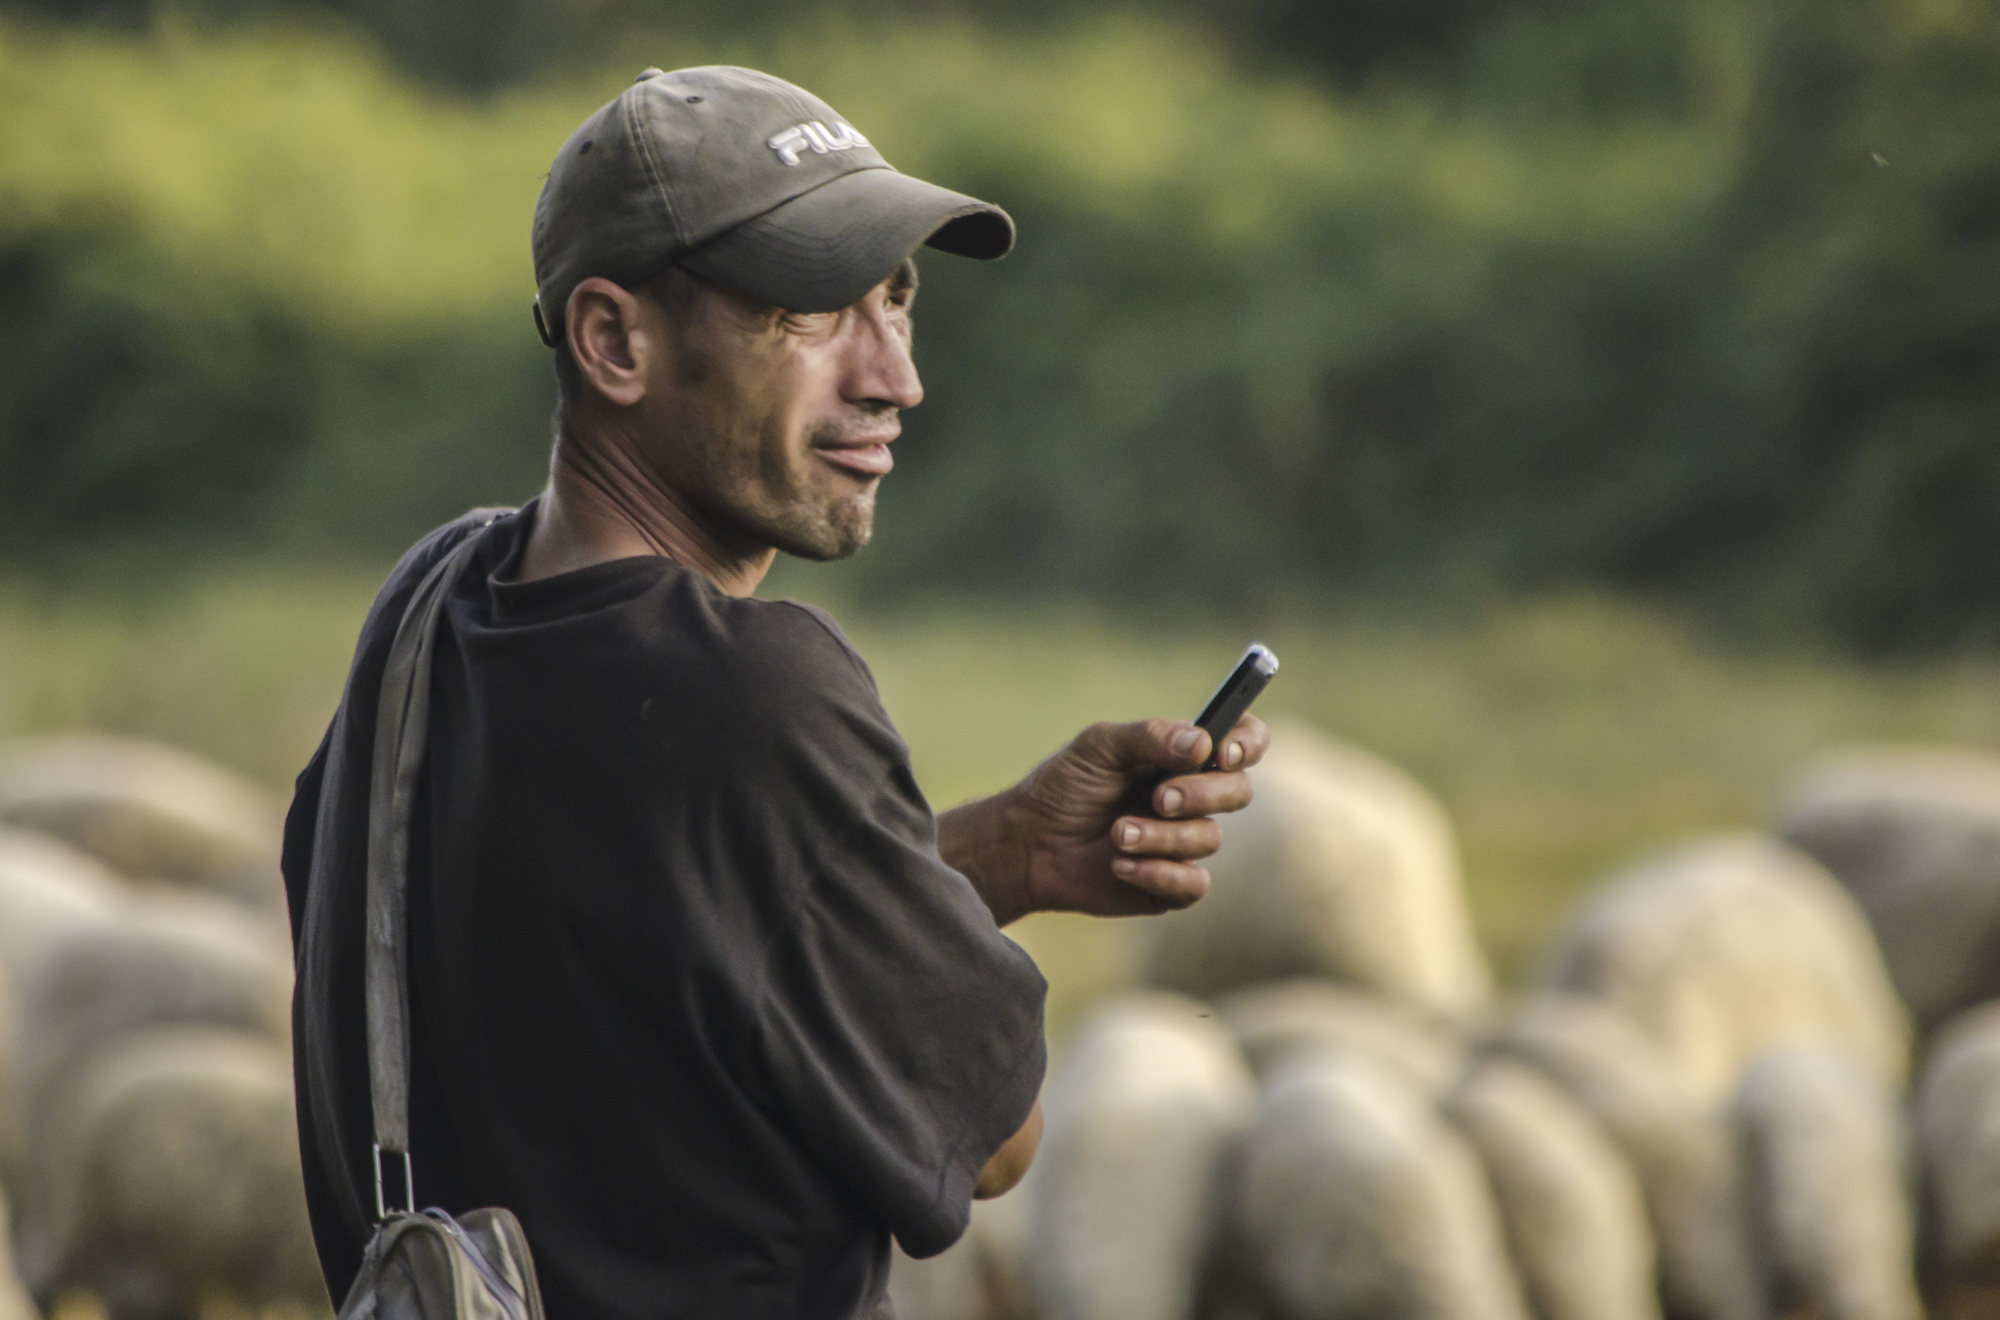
[602, 504]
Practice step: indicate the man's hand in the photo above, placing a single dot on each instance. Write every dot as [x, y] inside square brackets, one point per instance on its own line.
[1082, 834]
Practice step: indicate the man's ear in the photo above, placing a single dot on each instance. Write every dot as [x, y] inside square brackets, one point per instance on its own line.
[609, 341]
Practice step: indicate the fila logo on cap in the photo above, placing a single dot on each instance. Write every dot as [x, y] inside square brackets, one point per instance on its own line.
[815, 137]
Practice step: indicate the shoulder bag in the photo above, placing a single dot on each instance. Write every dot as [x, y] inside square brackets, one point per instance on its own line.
[429, 1265]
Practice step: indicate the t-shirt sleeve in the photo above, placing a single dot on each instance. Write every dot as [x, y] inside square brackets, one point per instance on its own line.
[901, 1032]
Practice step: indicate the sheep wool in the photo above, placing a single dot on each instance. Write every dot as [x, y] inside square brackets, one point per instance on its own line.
[1145, 1105]
[170, 959]
[979, 1277]
[1678, 1148]
[1273, 1023]
[15, 1304]
[1825, 1165]
[1725, 947]
[148, 812]
[1354, 1199]
[1574, 1218]
[1958, 1138]
[1342, 868]
[1914, 835]
[49, 894]
[178, 1165]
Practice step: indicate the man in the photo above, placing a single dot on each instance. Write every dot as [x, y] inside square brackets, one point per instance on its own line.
[700, 990]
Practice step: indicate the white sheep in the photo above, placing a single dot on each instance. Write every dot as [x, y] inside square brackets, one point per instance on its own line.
[1274, 1022]
[49, 893]
[169, 959]
[1722, 948]
[1678, 1147]
[15, 1304]
[982, 1276]
[1958, 1140]
[13, 1123]
[1343, 868]
[1914, 835]
[177, 1164]
[1826, 1167]
[1570, 1204]
[148, 812]
[1353, 1198]
[1141, 1111]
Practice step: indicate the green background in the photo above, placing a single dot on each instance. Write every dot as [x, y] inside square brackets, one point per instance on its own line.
[1383, 301]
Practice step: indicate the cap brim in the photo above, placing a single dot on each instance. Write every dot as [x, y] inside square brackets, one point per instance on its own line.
[824, 249]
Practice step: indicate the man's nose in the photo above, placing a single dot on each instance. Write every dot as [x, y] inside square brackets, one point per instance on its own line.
[882, 370]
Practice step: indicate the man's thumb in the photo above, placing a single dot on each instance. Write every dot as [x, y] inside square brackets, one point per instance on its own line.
[1155, 744]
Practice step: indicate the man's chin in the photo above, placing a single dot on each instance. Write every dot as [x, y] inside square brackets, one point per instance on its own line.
[824, 552]
[843, 529]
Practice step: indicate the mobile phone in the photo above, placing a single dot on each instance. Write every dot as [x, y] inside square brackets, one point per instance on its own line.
[1253, 673]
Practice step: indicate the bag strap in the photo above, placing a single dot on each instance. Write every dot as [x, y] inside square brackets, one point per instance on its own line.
[402, 727]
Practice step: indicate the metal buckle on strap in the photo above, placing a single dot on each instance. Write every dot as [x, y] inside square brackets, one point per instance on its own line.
[409, 1185]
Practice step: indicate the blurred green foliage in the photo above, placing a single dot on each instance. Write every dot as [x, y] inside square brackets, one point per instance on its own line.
[1311, 301]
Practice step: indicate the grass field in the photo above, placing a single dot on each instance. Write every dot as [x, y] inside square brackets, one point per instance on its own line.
[1564, 736]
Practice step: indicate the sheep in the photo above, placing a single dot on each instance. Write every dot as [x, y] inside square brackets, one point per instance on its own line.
[13, 1134]
[1958, 1139]
[1724, 947]
[49, 893]
[1914, 835]
[1826, 1167]
[1341, 868]
[1574, 1218]
[1272, 1023]
[979, 1277]
[178, 1165]
[148, 812]
[171, 959]
[1677, 1147]
[1352, 1198]
[1146, 1104]
[948, 1286]
[15, 1304]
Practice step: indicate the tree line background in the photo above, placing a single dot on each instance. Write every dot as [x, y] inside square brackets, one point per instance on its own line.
[1378, 300]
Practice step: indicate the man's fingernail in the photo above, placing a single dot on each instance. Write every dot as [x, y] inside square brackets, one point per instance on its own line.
[1185, 743]
[1125, 868]
[1128, 835]
[1232, 754]
[1170, 801]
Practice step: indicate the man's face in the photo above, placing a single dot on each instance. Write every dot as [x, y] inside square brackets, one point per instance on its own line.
[776, 425]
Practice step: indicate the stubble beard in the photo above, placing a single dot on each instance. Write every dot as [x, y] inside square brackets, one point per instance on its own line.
[829, 533]
[791, 515]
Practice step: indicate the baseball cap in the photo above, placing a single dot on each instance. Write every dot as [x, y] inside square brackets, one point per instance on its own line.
[746, 180]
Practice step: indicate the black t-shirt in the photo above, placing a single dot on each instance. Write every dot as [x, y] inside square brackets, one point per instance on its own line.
[692, 993]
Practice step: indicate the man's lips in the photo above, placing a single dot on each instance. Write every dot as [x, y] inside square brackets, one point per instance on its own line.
[868, 460]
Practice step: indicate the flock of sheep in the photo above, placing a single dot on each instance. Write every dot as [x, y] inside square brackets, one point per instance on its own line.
[148, 1150]
[1759, 1077]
